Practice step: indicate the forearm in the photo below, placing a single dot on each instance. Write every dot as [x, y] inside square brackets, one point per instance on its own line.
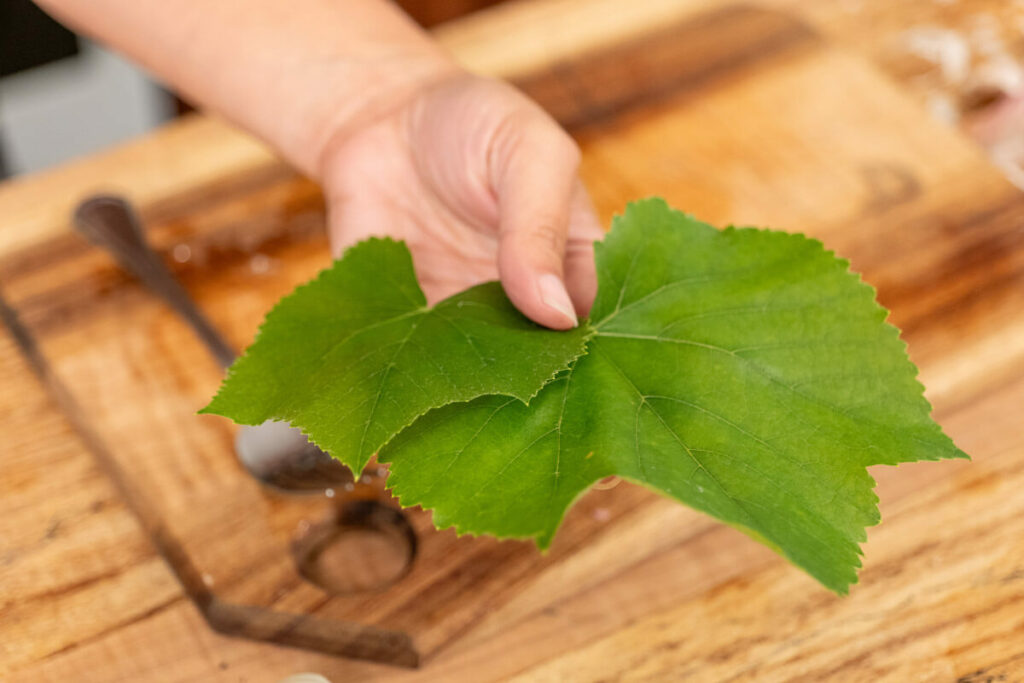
[297, 73]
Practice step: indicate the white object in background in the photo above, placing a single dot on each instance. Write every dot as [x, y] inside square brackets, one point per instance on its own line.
[75, 106]
[305, 678]
[266, 448]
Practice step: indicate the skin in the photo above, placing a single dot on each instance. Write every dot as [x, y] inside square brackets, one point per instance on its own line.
[475, 177]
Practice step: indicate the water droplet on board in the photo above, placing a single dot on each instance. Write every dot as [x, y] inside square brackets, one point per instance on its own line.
[259, 264]
[329, 493]
[181, 253]
[208, 580]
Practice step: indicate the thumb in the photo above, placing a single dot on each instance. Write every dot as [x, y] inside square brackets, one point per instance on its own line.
[533, 173]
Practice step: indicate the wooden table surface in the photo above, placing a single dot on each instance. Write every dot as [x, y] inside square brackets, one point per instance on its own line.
[917, 208]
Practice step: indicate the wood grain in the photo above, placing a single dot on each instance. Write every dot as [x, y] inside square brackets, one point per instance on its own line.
[808, 138]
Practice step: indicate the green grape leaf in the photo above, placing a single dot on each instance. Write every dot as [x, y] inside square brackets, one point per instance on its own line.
[746, 373]
[355, 355]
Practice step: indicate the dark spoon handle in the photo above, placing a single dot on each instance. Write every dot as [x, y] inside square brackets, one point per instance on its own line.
[110, 222]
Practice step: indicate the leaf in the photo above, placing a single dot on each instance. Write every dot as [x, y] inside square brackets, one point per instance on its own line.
[746, 373]
[355, 355]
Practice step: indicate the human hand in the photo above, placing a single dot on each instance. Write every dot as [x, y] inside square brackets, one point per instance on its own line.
[481, 184]
[472, 175]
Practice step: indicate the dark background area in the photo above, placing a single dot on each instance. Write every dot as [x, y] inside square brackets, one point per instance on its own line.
[29, 37]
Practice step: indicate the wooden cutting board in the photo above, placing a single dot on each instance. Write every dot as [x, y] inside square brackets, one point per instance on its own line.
[740, 116]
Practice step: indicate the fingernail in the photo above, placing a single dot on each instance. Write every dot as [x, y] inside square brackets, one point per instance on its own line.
[552, 293]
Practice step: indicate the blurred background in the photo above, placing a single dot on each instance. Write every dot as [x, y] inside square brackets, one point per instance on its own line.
[63, 96]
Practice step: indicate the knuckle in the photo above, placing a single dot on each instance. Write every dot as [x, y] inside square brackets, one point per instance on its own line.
[553, 140]
[542, 236]
[569, 148]
[548, 234]
[506, 136]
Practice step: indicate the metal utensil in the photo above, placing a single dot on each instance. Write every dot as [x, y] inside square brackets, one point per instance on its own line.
[274, 452]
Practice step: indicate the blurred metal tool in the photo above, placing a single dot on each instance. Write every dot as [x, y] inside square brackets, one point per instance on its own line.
[274, 452]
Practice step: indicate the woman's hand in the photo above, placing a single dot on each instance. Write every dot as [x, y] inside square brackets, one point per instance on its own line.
[478, 181]
[481, 184]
